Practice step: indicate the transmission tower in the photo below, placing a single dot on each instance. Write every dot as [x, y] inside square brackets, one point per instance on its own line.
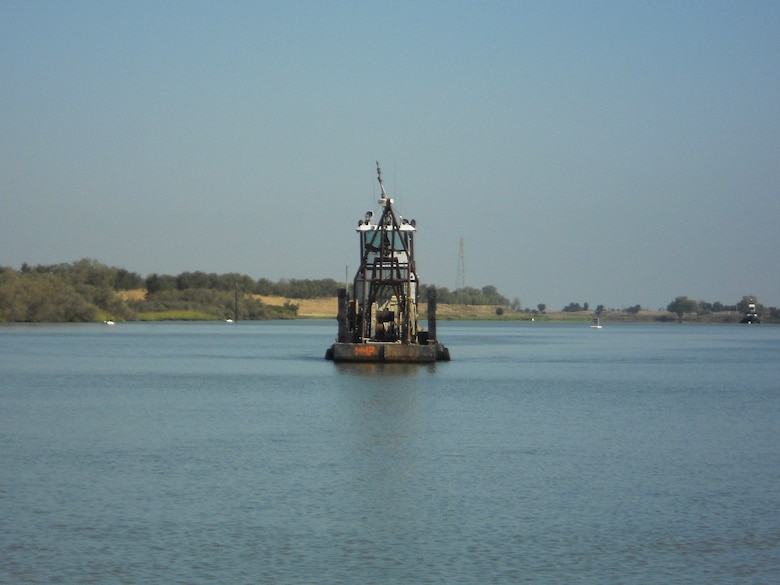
[460, 278]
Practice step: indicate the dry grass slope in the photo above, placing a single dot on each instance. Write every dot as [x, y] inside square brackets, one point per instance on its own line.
[326, 308]
[307, 308]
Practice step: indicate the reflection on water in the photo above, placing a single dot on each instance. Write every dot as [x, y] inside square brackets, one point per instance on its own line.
[384, 370]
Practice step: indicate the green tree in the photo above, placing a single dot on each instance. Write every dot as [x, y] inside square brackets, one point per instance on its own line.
[264, 287]
[128, 280]
[194, 280]
[230, 280]
[682, 305]
[41, 297]
[159, 282]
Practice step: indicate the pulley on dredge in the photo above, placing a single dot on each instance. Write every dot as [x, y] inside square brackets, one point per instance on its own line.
[379, 321]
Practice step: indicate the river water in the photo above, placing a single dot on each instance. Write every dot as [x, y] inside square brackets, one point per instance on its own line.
[542, 453]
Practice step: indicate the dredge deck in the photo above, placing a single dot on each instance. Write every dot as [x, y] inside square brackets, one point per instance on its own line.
[378, 322]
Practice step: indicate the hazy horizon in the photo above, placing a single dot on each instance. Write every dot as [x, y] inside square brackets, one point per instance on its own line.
[610, 153]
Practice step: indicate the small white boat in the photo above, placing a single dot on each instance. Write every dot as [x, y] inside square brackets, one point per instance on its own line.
[109, 322]
[596, 324]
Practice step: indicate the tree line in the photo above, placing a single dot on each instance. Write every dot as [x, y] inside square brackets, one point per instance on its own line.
[487, 295]
[682, 306]
[88, 291]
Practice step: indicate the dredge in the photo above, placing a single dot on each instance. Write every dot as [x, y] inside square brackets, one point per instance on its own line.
[379, 321]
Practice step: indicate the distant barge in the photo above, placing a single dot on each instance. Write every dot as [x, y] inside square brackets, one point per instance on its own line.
[379, 321]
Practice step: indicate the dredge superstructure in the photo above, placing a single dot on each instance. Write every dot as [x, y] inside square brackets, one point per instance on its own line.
[379, 321]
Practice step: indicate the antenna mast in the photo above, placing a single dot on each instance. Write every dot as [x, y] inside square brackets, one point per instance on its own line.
[379, 178]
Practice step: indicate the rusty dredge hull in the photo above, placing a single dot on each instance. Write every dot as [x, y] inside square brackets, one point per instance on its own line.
[378, 321]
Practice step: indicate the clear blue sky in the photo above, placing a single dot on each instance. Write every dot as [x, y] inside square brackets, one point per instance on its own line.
[614, 153]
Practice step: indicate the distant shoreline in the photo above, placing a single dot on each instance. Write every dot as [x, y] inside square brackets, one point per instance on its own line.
[325, 308]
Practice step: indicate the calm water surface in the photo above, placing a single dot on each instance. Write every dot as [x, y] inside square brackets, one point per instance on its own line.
[217, 453]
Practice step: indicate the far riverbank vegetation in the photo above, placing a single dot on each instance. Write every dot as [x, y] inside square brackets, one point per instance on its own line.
[89, 291]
